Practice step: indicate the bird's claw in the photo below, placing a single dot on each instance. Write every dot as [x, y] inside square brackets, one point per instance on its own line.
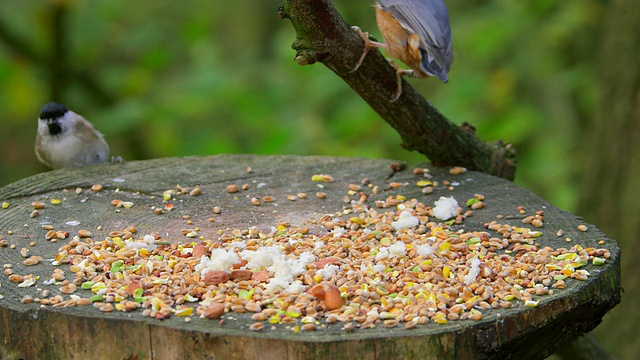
[400, 72]
[363, 34]
[368, 45]
[117, 160]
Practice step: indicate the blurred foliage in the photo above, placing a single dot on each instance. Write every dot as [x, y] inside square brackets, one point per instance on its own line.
[195, 78]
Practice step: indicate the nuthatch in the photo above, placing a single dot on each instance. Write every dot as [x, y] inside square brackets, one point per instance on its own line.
[417, 32]
[66, 139]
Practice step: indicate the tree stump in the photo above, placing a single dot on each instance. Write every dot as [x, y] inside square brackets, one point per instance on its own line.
[31, 330]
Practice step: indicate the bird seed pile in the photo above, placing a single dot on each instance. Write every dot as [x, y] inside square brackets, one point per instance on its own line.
[392, 263]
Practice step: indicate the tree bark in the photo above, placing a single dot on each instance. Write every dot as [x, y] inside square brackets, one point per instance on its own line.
[610, 152]
[324, 36]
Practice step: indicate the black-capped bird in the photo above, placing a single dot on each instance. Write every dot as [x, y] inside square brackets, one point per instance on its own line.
[66, 139]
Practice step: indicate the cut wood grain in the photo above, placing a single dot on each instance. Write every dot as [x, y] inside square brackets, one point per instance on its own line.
[31, 331]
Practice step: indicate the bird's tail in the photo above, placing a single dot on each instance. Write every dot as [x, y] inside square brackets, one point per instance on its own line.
[432, 68]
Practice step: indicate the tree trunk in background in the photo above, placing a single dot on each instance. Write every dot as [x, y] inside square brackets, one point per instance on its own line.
[610, 179]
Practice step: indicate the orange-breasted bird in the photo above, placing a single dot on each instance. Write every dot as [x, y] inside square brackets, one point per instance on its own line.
[416, 32]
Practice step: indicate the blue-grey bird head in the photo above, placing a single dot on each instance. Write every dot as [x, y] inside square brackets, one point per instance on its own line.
[51, 113]
[429, 19]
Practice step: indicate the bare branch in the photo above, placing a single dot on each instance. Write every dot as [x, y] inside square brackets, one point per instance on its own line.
[324, 36]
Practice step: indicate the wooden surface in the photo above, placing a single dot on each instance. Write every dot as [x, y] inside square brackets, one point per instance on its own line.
[31, 331]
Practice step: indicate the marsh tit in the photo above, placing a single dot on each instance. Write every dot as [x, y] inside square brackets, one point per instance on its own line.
[66, 139]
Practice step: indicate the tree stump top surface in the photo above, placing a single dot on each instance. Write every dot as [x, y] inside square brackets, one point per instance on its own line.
[33, 331]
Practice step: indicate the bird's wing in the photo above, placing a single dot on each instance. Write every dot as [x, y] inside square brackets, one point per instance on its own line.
[85, 130]
[42, 155]
[428, 19]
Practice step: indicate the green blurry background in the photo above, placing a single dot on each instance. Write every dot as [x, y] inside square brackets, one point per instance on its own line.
[169, 78]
